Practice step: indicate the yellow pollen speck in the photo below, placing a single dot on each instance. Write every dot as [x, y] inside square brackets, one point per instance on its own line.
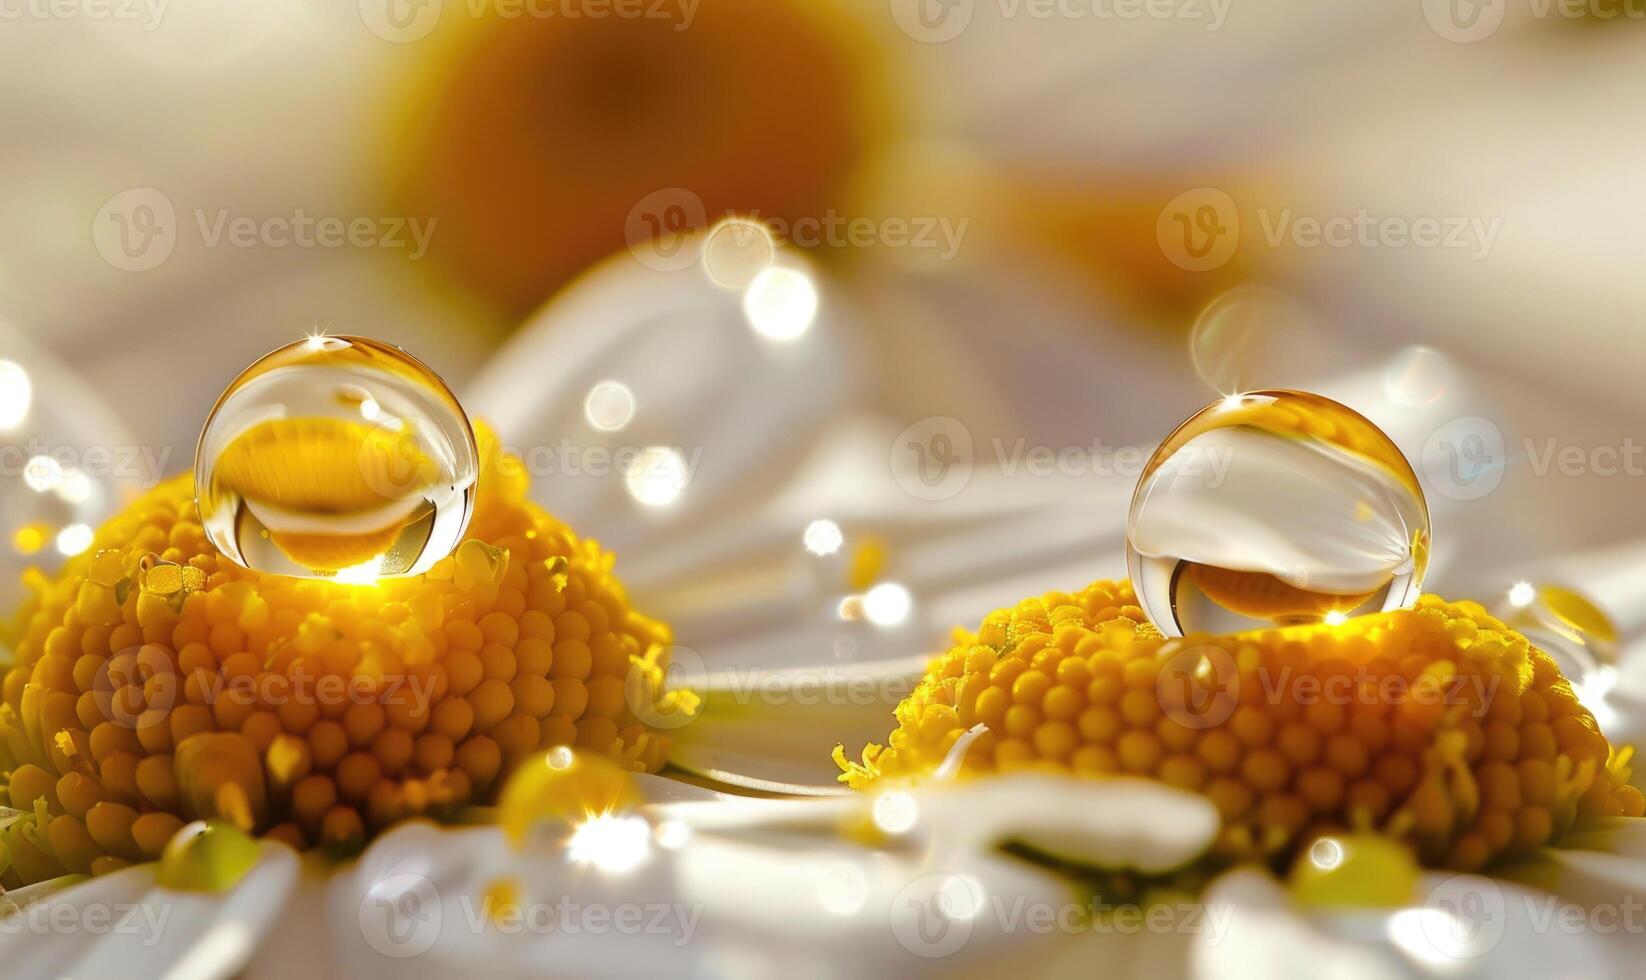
[868, 561]
[30, 538]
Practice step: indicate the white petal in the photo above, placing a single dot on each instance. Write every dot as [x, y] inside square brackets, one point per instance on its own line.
[740, 409]
[1109, 823]
[1255, 931]
[123, 924]
[1464, 926]
[1106, 823]
[774, 730]
[740, 905]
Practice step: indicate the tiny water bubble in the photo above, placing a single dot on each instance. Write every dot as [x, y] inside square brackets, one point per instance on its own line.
[1563, 623]
[335, 457]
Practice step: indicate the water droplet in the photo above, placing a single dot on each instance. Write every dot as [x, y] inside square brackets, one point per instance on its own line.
[1273, 508]
[560, 787]
[207, 856]
[781, 303]
[1245, 336]
[610, 406]
[737, 251]
[1356, 871]
[1563, 623]
[333, 454]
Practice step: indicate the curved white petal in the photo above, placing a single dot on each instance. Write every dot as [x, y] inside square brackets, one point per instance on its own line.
[774, 730]
[739, 408]
[1600, 867]
[751, 887]
[1463, 926]
[123, 924]
[1257, 932]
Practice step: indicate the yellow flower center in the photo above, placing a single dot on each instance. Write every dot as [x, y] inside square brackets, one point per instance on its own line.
[156, 682]
[1437, 726]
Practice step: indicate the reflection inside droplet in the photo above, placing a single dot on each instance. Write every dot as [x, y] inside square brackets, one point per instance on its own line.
[336, 457]
[737, 251]
[1284, 508]
[1418, 376]
[609, 406]
[1242, 338]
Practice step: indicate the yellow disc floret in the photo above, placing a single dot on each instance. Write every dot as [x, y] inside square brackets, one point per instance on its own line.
[1437, 725]
[156, 683]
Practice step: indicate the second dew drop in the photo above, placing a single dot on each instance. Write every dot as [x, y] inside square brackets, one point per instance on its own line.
[337, 457]
[1275, 508]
